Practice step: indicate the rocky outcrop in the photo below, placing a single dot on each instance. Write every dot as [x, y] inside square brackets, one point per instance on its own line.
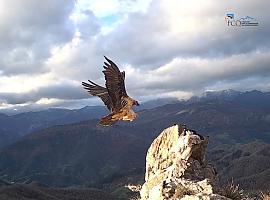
[176, 167]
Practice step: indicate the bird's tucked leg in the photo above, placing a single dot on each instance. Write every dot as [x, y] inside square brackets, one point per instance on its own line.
[108, 120]
[114, 117]
[130, 116]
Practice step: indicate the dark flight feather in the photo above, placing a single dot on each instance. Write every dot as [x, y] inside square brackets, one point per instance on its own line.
[97, 90]
[115, 83]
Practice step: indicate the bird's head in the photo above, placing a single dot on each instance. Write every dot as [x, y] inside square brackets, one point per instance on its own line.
[136, 103]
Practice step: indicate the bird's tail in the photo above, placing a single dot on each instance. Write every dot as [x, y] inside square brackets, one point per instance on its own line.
[107, 120]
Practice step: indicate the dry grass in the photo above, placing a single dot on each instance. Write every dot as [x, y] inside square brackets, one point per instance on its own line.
[233, 191]
[134, 188]
[182, 191]
[135, 198]
[136, 191]
[265, 196]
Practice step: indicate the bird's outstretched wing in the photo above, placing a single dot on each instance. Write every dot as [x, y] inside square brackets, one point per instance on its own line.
[97, 90]
[115, 84]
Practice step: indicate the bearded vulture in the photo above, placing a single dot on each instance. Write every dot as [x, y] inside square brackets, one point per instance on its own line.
[114, 96]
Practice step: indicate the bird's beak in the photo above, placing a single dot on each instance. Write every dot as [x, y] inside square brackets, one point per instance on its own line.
[137, 103]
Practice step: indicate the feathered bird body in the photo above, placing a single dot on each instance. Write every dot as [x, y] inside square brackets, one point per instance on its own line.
[114, 95]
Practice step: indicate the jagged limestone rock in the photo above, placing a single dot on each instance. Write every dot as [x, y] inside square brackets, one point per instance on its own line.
[176, 167]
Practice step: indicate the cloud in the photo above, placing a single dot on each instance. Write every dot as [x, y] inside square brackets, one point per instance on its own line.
[197, 74]
[167, 48]
[62, 90]
[28, 31]
[185, 29]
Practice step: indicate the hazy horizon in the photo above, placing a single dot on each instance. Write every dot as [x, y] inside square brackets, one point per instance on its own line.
[17, 109]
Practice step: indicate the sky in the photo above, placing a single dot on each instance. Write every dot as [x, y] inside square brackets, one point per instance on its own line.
[174, 48]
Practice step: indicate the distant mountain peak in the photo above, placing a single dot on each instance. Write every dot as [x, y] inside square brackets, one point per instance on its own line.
[222, 92]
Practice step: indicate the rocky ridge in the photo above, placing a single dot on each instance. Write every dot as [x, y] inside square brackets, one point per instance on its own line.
[176, 167]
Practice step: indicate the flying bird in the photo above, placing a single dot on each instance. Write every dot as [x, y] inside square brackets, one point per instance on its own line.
[114, 95]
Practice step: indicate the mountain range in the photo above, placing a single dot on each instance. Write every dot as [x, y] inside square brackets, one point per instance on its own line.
[246, 164]
[66, 152]
[12, 127]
